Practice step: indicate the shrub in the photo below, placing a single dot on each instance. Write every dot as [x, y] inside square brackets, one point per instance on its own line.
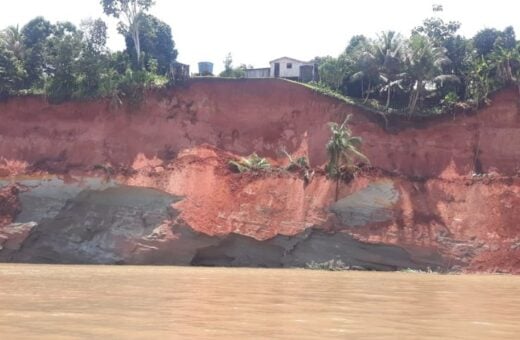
[301, 165]
[251, 163]
[449, 101]
[298, 163]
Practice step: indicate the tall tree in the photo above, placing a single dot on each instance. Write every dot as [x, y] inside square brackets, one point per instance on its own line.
[424, 62]
[356, 43]
[62, 52]
[334, 71]
[94, 34]
[506, 39]
[34, 36]
[132, 11]
[388, 53]
[484, 41]
[457, 50]
[11, 37]
[11, 72]
[93, 62]
[379, 60]
[437, 30]
[368, 73]
[156, 43]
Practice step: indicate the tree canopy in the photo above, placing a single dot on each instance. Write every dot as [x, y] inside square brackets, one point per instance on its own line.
[422, 73]
[66, 62]
[132, 12]
[157, 45]
[432, 70]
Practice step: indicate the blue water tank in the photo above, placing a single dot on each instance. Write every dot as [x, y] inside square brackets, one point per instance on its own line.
[205, 68]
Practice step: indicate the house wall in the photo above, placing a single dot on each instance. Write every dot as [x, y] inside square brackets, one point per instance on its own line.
[258, 73]
[287, 72]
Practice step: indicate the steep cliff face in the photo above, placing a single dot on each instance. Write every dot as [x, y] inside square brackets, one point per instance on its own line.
[87, 183]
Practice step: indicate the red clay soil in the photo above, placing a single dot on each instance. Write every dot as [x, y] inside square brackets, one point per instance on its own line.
[468, 221]
[180, 141]
[219, 201]
[244, 116]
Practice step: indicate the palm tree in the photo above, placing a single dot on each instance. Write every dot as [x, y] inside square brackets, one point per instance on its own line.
[11, 73]
[343, 151]
[424, 62]
[388, 55]
[11, 38]
[368, 71]
[380, 62]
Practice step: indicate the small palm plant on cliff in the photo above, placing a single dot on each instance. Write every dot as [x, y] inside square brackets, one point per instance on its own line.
[251, 163]
[301, 165]
[343, 151]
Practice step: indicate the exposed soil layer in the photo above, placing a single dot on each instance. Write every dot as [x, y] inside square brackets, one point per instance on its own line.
[89, 183]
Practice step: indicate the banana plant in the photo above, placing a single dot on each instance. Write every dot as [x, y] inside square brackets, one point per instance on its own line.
[479, 83]
[503, 58]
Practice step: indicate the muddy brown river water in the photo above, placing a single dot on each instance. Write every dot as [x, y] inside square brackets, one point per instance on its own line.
[128, 302]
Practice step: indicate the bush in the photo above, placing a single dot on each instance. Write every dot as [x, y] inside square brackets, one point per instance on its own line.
[449, 101]
[60, 89]
[11, 73]
[298, 164]
[251, 163]
[133, 84]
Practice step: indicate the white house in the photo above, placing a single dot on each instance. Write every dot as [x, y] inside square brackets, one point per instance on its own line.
[286, 67]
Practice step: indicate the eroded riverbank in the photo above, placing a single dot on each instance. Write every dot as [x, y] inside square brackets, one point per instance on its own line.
[83, 182]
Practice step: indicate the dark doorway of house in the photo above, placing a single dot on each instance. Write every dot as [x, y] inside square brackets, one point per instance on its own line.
[276, 70]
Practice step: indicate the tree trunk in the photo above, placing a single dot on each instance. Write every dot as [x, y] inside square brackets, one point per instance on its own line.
[336, 195]
[509, 72]
[410, 100]
[389, 93]
[415, 97]
[137, 43]
[368, 92]
[135, 24]
[414, 101]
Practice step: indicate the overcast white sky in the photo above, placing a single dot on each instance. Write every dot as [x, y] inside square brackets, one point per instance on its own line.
[256, 31]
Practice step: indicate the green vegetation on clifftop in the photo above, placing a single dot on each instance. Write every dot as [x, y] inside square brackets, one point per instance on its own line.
[65, 62]
[434, 70]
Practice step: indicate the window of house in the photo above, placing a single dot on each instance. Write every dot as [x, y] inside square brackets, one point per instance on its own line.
[289, 65]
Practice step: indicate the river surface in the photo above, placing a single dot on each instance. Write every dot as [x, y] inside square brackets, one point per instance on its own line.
[127, 302]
